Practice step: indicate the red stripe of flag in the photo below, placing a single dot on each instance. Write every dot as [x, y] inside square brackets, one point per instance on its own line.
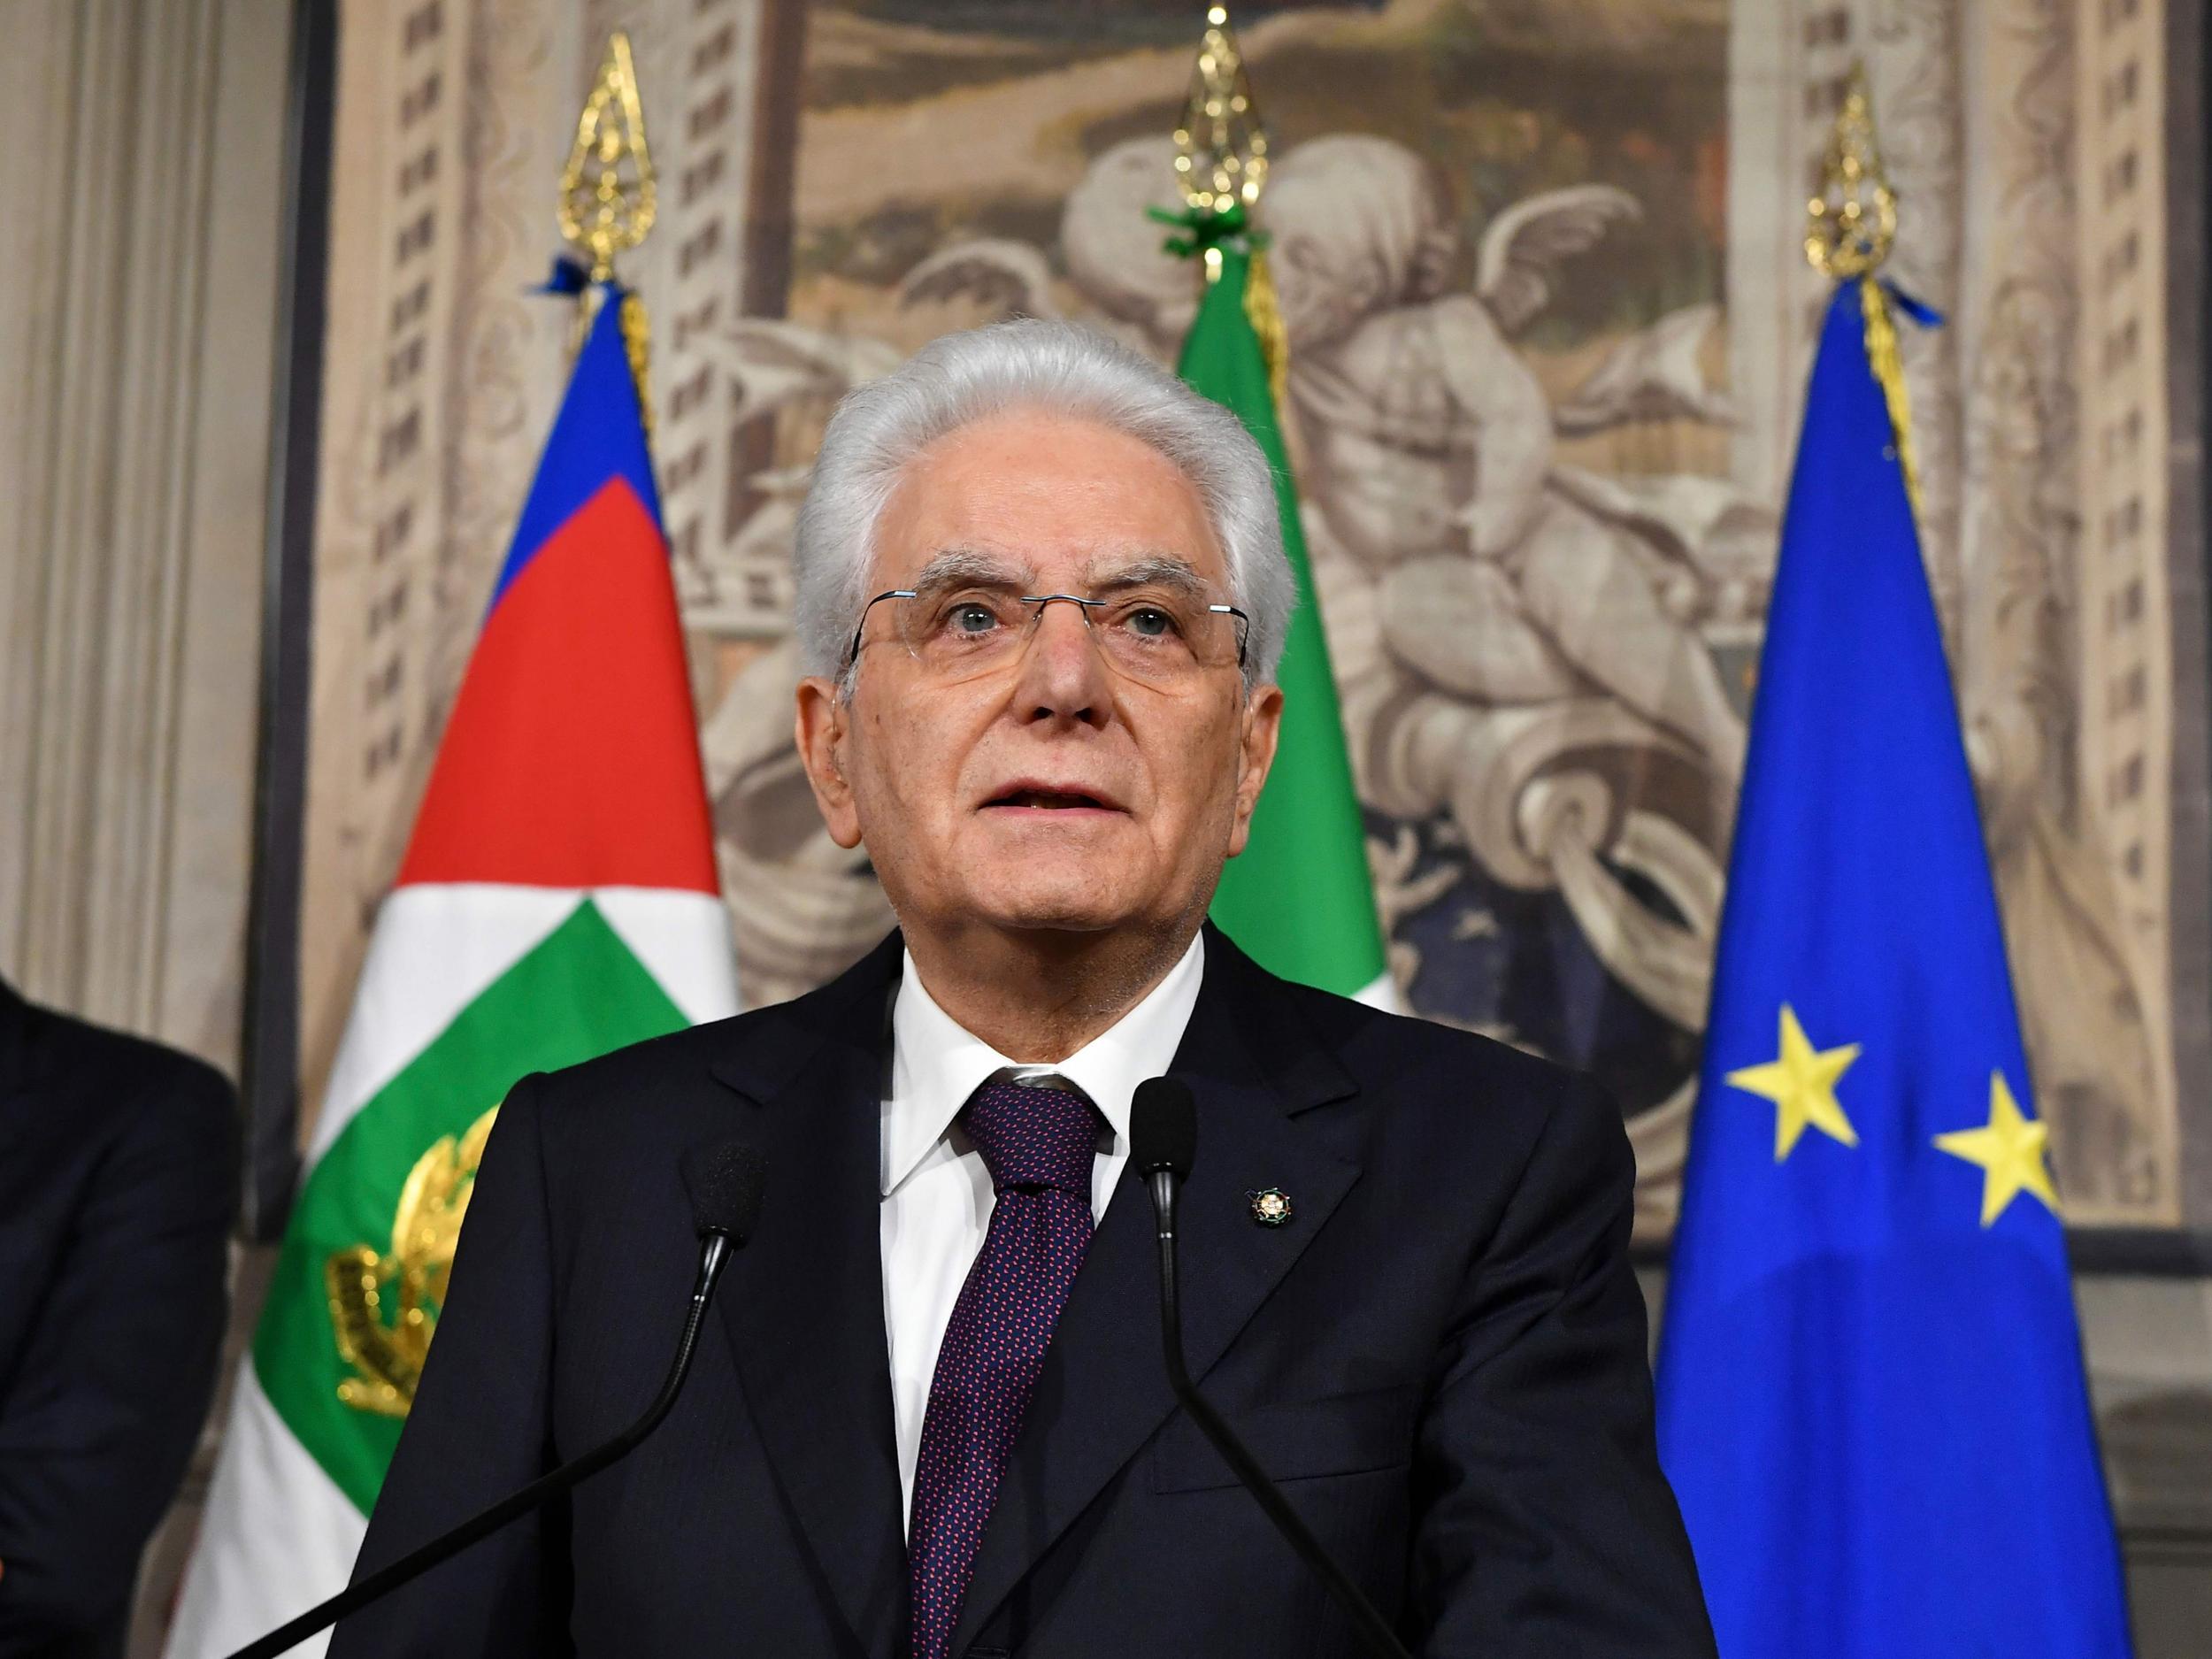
[571, 758]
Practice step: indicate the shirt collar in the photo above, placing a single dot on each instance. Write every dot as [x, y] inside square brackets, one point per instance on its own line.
[936, 1063]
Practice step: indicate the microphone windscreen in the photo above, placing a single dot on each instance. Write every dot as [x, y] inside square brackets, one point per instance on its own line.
[1163, 1126]
[726, 1182]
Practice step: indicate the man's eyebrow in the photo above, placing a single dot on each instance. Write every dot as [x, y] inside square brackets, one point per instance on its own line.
[1156, 570]
[968, 565]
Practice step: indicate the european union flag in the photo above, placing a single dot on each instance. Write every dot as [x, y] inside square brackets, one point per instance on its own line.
[1871, 1398]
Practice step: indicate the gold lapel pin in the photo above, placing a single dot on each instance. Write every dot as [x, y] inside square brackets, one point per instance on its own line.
[1270, 1206]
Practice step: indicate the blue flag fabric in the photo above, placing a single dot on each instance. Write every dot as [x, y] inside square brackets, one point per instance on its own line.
[1872, 1400]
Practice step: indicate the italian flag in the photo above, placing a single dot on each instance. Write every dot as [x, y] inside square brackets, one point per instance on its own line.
[558, 900]
[1300, 898]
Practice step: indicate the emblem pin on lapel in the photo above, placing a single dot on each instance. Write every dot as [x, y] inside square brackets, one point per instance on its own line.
[1270, 1206]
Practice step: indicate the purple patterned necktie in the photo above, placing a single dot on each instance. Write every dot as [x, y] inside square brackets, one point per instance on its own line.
[1038, 1142]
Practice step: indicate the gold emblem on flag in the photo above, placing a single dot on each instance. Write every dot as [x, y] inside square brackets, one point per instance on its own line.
[384, 1304]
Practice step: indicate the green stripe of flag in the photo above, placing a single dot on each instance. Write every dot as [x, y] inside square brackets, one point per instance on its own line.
[1299, 898]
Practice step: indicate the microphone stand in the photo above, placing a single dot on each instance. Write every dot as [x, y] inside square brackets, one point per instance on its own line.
[1375, 1632]
[486, 1522]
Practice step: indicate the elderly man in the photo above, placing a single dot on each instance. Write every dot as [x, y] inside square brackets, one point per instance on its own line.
[1042, 593]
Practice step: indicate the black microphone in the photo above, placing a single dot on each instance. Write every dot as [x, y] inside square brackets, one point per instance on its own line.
[724, 1181]
[1163, 1142]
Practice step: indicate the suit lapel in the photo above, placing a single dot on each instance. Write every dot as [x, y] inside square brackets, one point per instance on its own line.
[802, 1311]
[1104, 1390]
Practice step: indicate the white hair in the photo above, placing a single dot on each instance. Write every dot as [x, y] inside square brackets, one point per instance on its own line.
[1053, 368]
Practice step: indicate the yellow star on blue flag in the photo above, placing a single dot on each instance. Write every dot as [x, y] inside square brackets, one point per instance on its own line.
[1801, 1083]
[2010, 1151]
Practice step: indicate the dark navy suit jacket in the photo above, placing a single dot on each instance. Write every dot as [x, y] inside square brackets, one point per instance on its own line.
[119, 1164]
[1442, 1357]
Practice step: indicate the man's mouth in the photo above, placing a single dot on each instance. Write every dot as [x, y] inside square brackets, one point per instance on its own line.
[1034, 798]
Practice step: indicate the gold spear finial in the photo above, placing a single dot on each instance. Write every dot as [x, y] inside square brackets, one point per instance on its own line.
[607, 189]
[1221, 166]
[1853, 227]
[607, 200]
[1220, 148]
[1854, 218]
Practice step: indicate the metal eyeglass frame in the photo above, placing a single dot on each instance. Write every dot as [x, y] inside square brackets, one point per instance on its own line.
[1036, 617]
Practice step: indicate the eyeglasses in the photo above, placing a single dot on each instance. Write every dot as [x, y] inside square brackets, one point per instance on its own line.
[1152, 631]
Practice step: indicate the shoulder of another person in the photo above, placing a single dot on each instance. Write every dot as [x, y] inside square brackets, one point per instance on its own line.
[129, 1080]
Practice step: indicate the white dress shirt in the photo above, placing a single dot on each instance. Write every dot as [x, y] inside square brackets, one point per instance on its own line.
[937, 1195]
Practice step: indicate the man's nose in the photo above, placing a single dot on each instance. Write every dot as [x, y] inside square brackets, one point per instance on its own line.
[1063, 675]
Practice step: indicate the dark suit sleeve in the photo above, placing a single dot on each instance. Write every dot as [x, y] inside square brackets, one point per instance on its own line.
[1543, 1525]
[479, 1428]
[101, 1416]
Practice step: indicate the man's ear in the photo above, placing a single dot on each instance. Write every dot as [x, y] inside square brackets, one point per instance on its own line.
[1261, 724]
[820, 732]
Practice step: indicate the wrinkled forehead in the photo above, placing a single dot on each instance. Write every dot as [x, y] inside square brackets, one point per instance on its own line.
[1056, 503]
